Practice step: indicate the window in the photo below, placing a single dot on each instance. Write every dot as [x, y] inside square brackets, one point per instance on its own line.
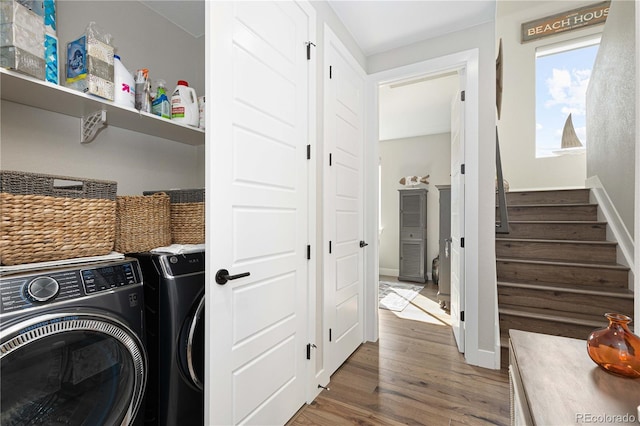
[562, 77]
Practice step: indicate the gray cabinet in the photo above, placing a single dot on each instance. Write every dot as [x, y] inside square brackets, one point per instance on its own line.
[444, 241]
[413, 235]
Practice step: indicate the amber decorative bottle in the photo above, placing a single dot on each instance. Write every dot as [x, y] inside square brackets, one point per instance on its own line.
[615, 348]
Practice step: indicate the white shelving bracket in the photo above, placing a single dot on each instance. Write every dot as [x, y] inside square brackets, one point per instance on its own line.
[91, 125]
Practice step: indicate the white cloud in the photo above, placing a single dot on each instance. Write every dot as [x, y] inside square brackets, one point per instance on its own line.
[539, 126]
[568, 89]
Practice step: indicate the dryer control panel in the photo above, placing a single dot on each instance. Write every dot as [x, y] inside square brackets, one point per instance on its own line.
[35, 288]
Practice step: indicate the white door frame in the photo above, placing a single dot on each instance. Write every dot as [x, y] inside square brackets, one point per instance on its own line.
[468, 59]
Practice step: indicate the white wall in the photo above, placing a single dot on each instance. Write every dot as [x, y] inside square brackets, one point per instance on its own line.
[142, 38]
[611, 111]
[482, 344]
[417, 156]
[46, 142]
[517, 126]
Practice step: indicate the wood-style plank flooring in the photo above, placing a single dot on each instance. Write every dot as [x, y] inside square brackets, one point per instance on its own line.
[414, 375]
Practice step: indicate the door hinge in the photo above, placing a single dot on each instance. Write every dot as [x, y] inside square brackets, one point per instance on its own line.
[308, 152]
[308, 252]
[330, 159]
[462, 169]
[330, 72]
[461, 316]
[462, 242]
[462, 95]
[329, 334]
[309, 44]
[329, 247]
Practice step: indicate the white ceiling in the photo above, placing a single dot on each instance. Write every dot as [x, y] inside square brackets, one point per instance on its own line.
[378, 26]
[416, 109]
[186, 14]
[411, 110]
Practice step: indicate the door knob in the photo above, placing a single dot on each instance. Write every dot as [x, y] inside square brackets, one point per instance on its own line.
[363, 244]
[222, 276]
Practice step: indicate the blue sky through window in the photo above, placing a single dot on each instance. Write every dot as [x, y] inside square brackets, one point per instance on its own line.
[561, 84]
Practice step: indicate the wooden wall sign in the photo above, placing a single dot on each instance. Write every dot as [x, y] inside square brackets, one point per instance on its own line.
[577, 18]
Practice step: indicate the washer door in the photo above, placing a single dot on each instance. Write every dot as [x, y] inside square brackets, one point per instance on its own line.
[193, 351]
[71, 369]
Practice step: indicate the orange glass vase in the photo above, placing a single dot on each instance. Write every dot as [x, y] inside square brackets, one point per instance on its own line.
[615, 348]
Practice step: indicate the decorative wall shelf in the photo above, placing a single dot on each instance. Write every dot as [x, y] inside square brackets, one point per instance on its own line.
[29, 91]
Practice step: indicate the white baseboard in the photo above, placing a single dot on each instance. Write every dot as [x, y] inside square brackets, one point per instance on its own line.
[395, 272]
[484, 358]
[616, 230]
[389, 272]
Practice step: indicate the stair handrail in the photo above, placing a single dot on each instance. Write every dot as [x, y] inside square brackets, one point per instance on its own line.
[502, 227]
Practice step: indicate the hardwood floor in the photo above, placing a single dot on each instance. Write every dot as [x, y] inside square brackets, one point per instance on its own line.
[413, 375]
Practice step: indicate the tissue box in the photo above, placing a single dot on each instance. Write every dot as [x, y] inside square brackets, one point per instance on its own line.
[23, 61]
[15, 35]
[90, 67]
[52, 59]
[14, 12]
[95, 86]
[46, 9]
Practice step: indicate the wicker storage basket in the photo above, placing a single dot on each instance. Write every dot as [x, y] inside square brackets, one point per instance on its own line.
[187, 215]
[142, 223]
[47, 217]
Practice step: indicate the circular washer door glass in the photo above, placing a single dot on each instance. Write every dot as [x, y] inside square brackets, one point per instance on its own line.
[71, 370]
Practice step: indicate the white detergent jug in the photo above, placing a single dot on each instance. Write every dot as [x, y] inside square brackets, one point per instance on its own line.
[125, 92]
[184, 105]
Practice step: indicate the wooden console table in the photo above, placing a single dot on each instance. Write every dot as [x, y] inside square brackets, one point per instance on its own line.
[554, 382]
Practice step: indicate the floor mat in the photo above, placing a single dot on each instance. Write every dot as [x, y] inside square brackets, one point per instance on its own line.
[396, 296]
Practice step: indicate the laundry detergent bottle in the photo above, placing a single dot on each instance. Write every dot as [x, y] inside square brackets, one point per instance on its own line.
[125, 92]
[184, 105]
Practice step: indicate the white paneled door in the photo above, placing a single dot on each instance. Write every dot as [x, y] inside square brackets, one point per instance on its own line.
[344, 267]
[457, 217]
[257, 211]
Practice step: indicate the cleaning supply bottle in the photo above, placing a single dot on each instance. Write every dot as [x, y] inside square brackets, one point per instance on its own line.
[184, 104]
[160, 105]
[143, 90]
[125, 91]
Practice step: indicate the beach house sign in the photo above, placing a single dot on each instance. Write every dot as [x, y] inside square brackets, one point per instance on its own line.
[577, 18]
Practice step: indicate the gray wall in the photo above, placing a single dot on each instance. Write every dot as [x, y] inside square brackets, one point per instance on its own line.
[611, 111]
[417, 156]
[45, 142]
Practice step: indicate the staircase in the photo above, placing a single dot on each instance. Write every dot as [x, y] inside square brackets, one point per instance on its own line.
[557, 274]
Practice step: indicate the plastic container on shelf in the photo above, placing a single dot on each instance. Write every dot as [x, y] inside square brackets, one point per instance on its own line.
[161, 105]
[143, 90]
[184, 104]
[125, 91]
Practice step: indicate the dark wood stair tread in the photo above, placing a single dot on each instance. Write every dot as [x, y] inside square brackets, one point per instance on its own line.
[558, 222]
[569, 288]
[553, 205]
[538, 240]
[592, 265]
[548, 315]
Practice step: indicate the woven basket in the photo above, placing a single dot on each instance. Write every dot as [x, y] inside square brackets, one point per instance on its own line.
[187, 215]
[47, 217]
[142, 222]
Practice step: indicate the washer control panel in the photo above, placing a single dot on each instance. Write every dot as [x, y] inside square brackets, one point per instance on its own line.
[36, 288]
